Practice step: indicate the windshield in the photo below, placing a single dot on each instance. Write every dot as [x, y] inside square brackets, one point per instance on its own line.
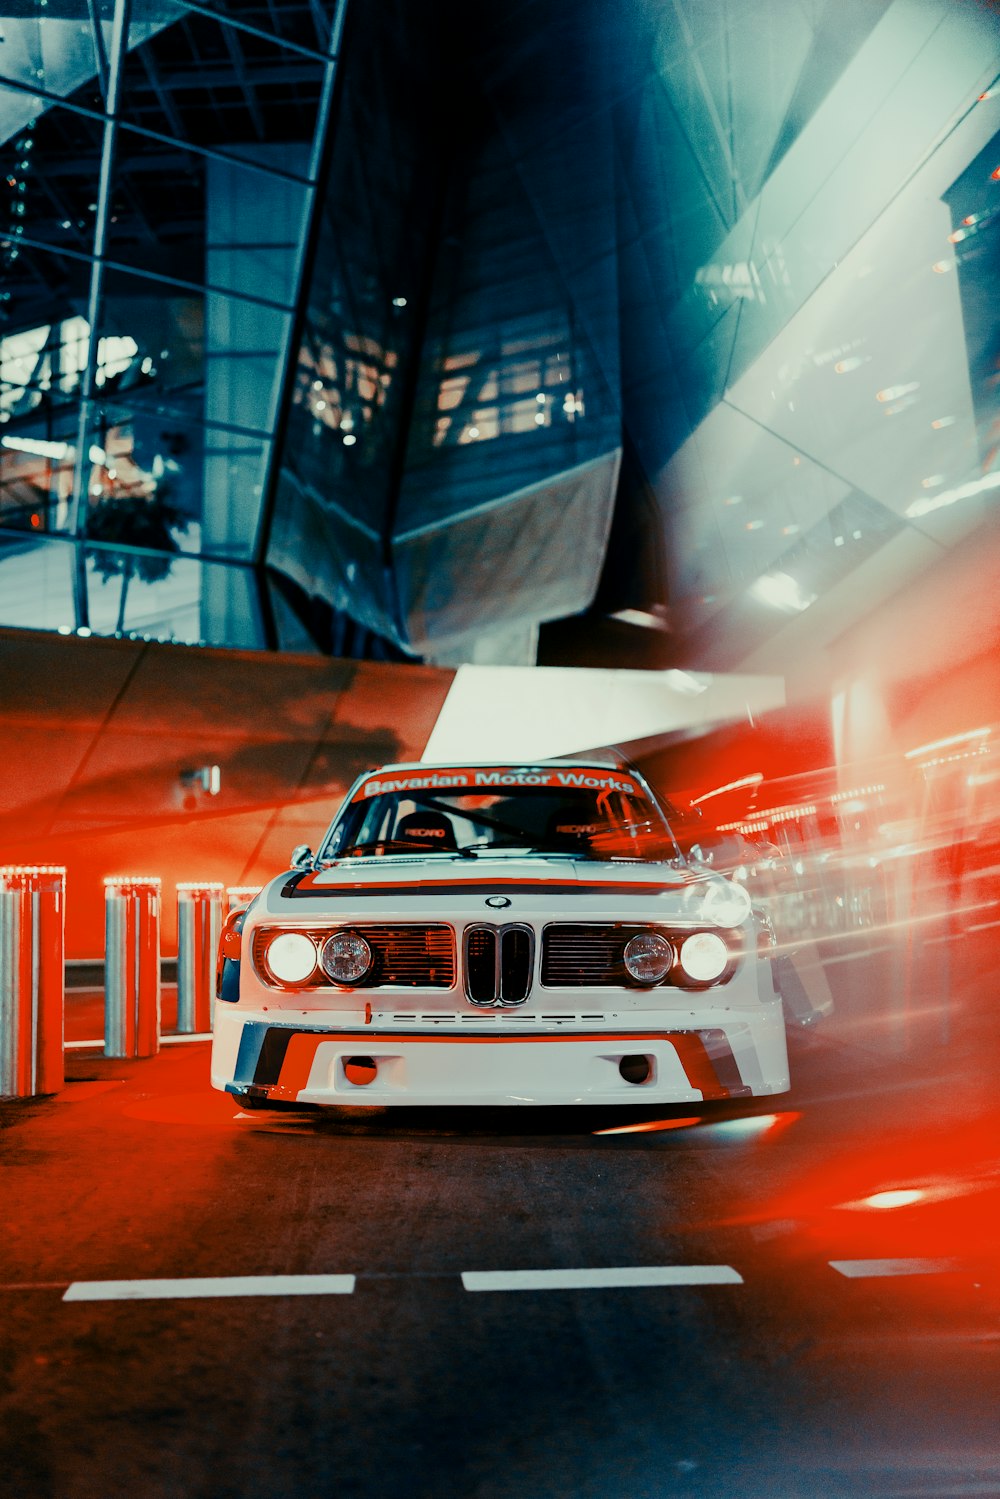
[586, 823]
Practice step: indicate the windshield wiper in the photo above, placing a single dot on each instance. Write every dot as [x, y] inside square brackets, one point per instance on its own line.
[526, 846]
[401, 845]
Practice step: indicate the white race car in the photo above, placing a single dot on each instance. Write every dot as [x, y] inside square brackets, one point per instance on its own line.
[497, 934]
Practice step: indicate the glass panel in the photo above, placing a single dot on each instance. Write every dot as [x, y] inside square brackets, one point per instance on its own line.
[177, 213]
[36, 583]
[44, 345]
[172, 596]
[346, 420]
[36, 474]
[520, 378]
[199, 80]
[175, 361]
[48, 175]
[461, 340]
[53, 50]
[144, 446]
[305, 23]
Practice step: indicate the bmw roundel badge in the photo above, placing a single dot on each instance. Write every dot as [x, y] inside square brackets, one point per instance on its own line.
[498, 902]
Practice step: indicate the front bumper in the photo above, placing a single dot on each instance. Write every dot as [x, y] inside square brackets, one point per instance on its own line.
[688, 1057]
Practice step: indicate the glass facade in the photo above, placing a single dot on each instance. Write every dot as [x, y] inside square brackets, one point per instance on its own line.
[396, 330]
[158, 167]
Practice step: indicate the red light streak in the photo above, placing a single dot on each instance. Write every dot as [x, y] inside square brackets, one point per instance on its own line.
[899, 1197]
[649, 1126]
[780, 1122]
[750, 780]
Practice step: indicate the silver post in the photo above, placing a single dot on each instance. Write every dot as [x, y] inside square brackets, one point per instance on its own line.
[32, 979]
[131, 966]
[199, 927]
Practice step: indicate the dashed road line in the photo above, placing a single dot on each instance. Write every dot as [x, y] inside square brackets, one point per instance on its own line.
[624, 1275]
[864, 1269]
[562, 1279]
[222, 1285]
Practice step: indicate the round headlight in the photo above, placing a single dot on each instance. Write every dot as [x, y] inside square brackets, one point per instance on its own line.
[704, 957]
[291, 957]
[346, 957]
[648, 957]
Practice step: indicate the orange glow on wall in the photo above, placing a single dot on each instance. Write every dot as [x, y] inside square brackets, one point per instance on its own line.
[96, 735]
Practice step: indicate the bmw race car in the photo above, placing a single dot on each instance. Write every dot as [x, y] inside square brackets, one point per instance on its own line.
[497, 934]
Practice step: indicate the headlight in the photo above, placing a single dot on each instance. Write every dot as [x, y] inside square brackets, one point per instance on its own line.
[717, 902]
[346, 957]
[704, 957]
[291, 957]
[648, 957]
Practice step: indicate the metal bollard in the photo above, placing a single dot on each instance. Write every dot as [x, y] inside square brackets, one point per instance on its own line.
[238, 897]
[132, 966]
[199, 927]
[32, 979]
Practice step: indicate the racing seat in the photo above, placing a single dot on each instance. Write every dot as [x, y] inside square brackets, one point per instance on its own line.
[569, 830]
[427, 830]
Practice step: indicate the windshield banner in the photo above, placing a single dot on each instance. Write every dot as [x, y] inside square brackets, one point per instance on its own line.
[495, 777]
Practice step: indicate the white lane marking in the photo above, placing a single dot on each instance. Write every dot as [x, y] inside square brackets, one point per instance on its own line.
[221, 1285]
[624, 1275]
[860, 1269]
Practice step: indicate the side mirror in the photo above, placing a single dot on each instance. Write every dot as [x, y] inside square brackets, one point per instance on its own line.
[302, 856]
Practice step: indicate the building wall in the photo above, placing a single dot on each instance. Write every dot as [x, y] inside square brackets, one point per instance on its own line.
[95, 734]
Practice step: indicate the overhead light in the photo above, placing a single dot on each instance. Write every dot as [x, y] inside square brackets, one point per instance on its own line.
[38, 446]
[894, 392]
[952, 496]
[641, 617]
[781, 591]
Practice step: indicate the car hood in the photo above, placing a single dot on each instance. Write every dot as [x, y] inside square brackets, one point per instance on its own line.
[443, 886]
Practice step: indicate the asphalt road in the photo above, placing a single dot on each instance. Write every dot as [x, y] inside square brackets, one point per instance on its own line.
[768, 1340]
